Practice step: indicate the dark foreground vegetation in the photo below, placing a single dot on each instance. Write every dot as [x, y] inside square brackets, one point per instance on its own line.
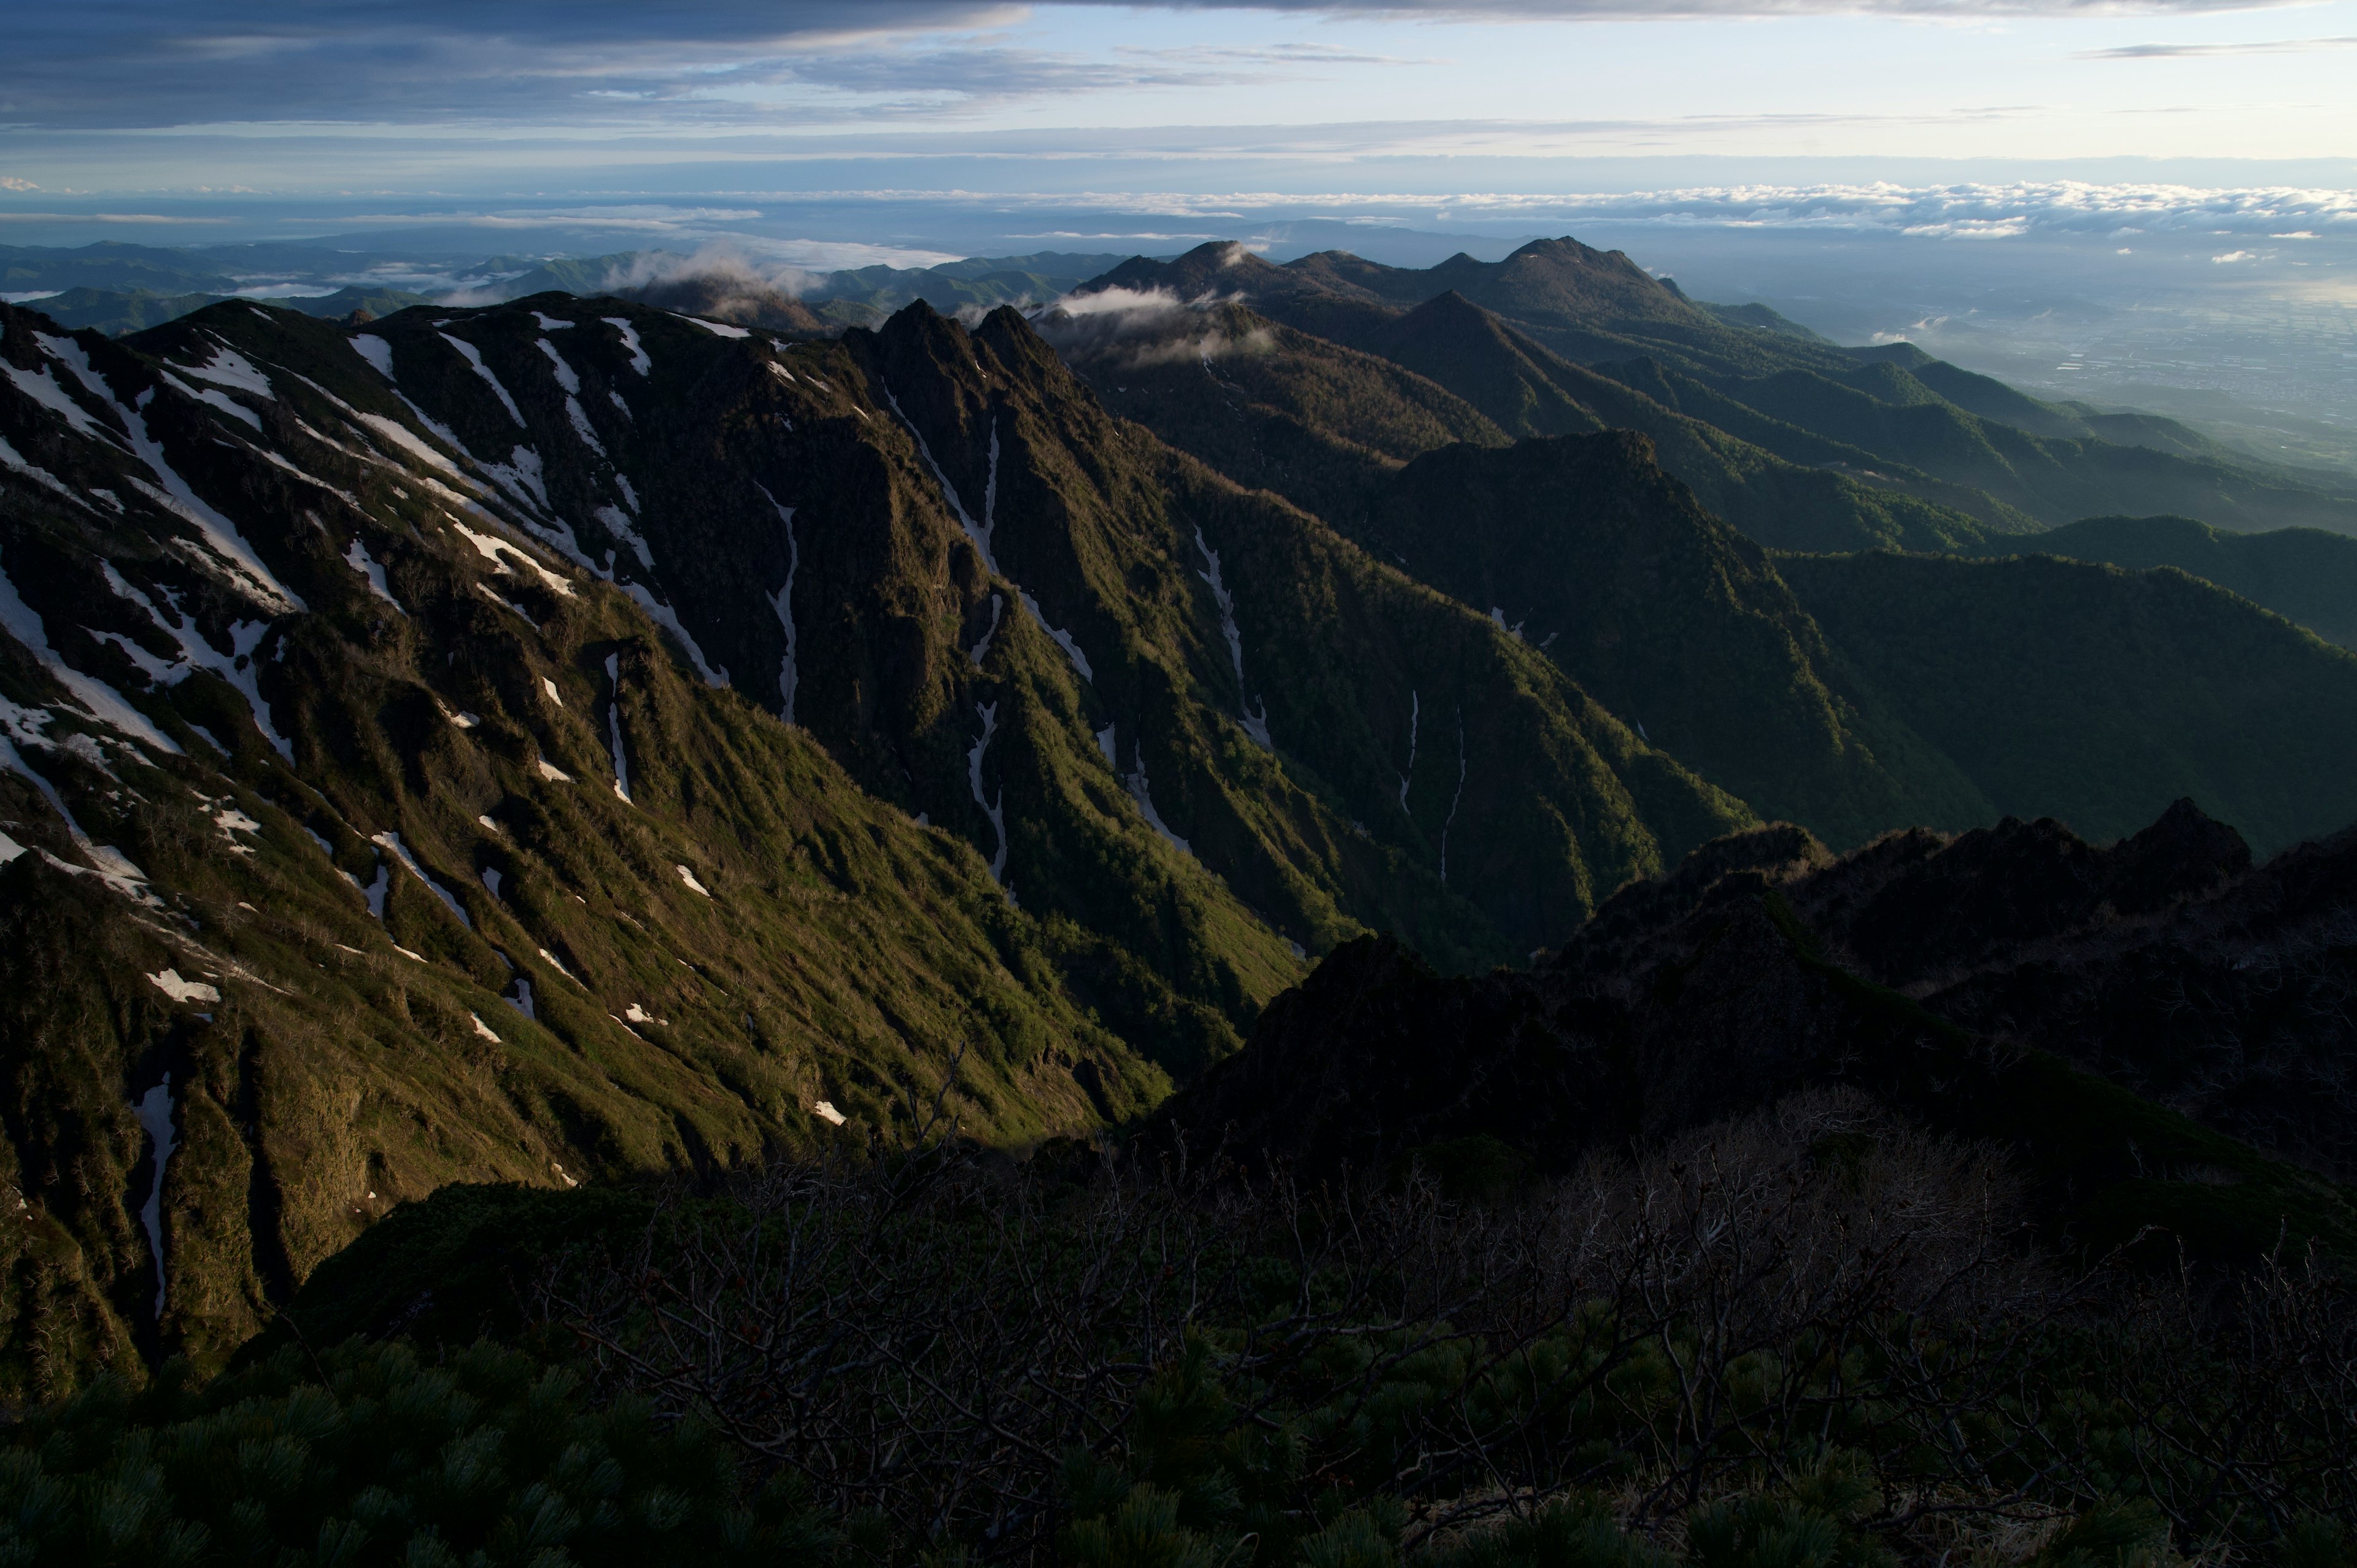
[1810, 1337]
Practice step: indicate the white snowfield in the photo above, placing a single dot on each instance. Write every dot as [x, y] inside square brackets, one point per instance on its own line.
[1144, 795]
[718, 328]
[565, 376]
[1060, 638]
[688, 877]
[228, 368]
[100, 701]
[826, 1112]
[981, 650]
[1453, 801]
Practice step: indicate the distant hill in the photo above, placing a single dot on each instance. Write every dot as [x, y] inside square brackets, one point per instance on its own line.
[2072, 689]
[116, 314]
[2306, 575]
[1884, 416]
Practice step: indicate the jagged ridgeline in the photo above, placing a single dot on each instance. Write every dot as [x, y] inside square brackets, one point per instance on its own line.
[1805, 444]
[567, 739]
[1853, 693]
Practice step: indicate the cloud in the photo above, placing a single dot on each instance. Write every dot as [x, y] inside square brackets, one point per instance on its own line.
[135, 63]
[9, 217]
[1131, 329]
[10, 182]
[2207, 52]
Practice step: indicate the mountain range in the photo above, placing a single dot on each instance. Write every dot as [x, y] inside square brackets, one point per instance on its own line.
[572, 738]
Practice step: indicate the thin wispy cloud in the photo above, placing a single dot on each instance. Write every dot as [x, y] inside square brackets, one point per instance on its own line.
[2213, 51]
[132, 63]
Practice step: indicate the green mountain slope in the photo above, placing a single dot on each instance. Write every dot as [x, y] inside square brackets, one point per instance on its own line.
[398, 761]
[1530, 391]
[116, 313]
[2306, 575]
[1658, 609]
[1865, 413]
[2096, 696]
[317, 846]
[1597, 557]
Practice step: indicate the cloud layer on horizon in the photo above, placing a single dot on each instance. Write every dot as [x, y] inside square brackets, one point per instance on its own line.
[146, 63]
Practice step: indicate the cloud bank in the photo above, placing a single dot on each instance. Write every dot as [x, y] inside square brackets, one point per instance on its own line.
[135, 63]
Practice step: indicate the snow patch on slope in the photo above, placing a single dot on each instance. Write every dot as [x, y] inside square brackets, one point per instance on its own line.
[1453, 801]
[979, 533]
[789, 674]
[1415, 713]
[102, 702]
[565, 376]
[980, 650]
[359, 560]
[668, 618]
[474, 357]
[43, 388]
[996, 813]
[638, 360]
[614, 728]
[14, 461]
[1256, 725]
[391, 840]
[376, 350]
[1140, 792]
[228, 368]
[155, 1110]
[245, 566]
[1056, 635]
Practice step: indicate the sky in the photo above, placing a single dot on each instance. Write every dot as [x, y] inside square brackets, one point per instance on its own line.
[253, 117]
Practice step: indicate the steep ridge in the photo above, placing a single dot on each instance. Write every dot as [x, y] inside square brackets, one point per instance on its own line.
[1733, 982]
[1818, 405]
[1614, 572]
[1586, 549]
[1321, 424]
[396, 761]
[352, 843]
[2049, 681]
[830, 518]
[1329, 663]
[1843, 504]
